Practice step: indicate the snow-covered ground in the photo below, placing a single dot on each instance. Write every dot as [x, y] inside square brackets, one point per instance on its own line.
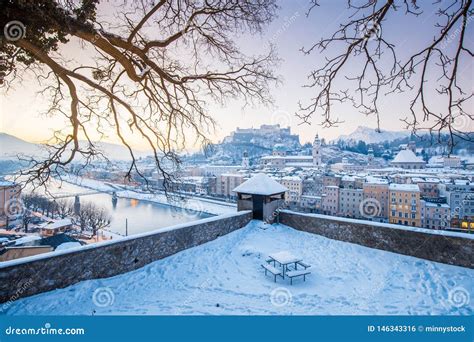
[198, 204]
[224, 277]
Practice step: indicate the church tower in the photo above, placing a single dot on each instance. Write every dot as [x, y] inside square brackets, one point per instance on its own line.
[370, 156]
[317, 151]
[245, 160]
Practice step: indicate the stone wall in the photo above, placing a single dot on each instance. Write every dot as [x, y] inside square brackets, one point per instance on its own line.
[41, 273]
[440, 246]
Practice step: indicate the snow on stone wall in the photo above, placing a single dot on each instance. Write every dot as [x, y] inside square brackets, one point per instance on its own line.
[440, 246]
[49, 271]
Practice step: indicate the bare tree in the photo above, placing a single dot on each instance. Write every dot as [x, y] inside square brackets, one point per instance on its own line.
[26, 218]
[48, 207]
[64, 208]
[360, 46]
[153, 67]
[93, 218]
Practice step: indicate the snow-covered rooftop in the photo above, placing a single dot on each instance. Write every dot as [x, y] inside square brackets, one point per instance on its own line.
[404, 187]
[260, 184]
[406, 156]
[435, 205]
[5, 183]
[27, 238]
[345, 279]
[300, 164]
[58, 224]
[375, 180]
[291, 178]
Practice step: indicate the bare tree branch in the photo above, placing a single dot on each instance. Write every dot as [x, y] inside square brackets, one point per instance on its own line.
[380, 70]
[152, 71]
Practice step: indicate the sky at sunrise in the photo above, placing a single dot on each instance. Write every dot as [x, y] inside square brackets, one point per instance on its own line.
[22, 106]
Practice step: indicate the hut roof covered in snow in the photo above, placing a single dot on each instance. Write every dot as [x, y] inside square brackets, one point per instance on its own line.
[260, 184]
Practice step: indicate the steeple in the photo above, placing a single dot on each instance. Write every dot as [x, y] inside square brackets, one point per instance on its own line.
[245, 160]
[370, 155]
[316, 140]
[317, 151]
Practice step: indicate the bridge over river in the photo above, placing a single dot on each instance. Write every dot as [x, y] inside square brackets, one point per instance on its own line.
[59, 195]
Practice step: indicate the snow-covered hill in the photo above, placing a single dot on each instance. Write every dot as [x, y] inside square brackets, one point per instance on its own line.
[372, 136]
[11, 147]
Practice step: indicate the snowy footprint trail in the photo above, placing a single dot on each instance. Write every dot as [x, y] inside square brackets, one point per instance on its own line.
[224, 277]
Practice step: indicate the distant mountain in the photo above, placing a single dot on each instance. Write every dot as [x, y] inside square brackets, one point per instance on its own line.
[371, 136]
[11, 147]
[118, 152]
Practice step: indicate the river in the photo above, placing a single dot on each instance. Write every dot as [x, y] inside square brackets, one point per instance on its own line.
[142, 216]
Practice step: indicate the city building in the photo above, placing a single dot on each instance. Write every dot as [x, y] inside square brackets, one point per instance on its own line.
[266, 135]
[332, 180]
[312, 186]
[330, 200]
[370, 156]
[407, 159]
[311, 203]
[56, 227]
[376, 192]
[405, 204]
[346, 166]
[280, 159]
[412, 146]
[460, 198]
[217, 170]
[349, 202]
[294, 185]
[9, 201]
[428, 186]
[226, 182]
[434, 215]
[454, 162]
[245, 160]
[317, 159]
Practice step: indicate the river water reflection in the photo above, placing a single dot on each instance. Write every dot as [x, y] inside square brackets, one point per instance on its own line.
[142, 216]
